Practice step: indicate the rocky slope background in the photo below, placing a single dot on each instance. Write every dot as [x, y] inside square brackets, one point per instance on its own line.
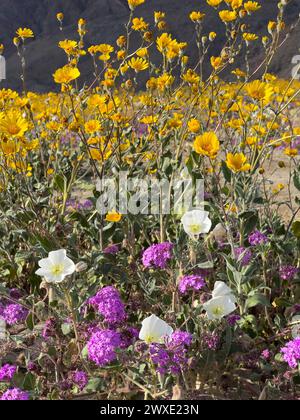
[106, 19]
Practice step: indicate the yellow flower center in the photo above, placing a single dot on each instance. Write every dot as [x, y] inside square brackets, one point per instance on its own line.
[195, 228]
[217, 311]
[13, 129]
[57, 269]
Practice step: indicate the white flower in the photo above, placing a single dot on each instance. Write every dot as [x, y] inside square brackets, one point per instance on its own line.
[221, 289]
[154, 330]
[219, 307]
[56, 267]
[196, 222]
[2, 329]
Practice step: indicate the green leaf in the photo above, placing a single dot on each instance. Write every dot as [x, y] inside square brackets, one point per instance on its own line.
[66, 328]
[226, 172]
[257, 299]
[29, 382]
[250, 220]
[296, 229]
[206, 265]
[59, 183]
[29, 322]
[93, 385]
[296, 180]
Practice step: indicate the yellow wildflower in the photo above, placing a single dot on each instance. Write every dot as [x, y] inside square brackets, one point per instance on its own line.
[207, 145]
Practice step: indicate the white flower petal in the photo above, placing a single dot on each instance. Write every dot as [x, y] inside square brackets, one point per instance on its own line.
[154, 329]
[58, 257]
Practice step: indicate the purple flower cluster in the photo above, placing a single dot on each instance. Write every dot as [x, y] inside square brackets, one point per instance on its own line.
[244, 255]
[180, 338]
[80, 379]
[266, 354]
[7, 372]
[13, 314]
[288, 272]
[257, 238]
[102, 346]
[291, 353]
[111, 250]
[158, 255]
[212, 341]
[15, 394]
[74, 205]
[192, 283]
[233, 319]
[171, 357]
[108, 303]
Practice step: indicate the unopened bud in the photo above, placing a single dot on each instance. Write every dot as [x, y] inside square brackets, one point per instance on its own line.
[81, 266]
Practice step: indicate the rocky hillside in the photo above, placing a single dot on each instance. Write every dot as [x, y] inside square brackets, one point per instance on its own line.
[106, 20]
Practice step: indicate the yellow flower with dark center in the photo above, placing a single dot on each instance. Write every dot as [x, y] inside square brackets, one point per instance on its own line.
[143, 52]
[214, 3]
[24, 33]
[105, 50]
[134, 3]
[197, 16]
[191, 77]
[235, 4]
[92, 126]
[60, 17]
[158, 16]
[138, 24]
[207, 145]
[251, 6]
[66, 75]
[149, 120]
[163, 42]
[68, 46]
[164, 81]
[138, 64]
[237, 162]
[260, 90]
[291, 152]
[228, 16]
[113, 217]
[10, 147]
[239, 73]
[249, 37]
[216, 62]
[13, 124]
[194, 125]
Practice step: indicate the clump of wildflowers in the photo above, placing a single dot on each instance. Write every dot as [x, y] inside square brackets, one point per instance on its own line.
[102, 346]
[15, 394]
[244, 255]
[14, 314]
[7, 372]
[80, 379]
[171, 357]
[192, 283]
[211, 341]
[288, 272]
[158, 256]
[111, 250]
[291, 353]
[107, 302]
[233, 319]
[257, 238]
